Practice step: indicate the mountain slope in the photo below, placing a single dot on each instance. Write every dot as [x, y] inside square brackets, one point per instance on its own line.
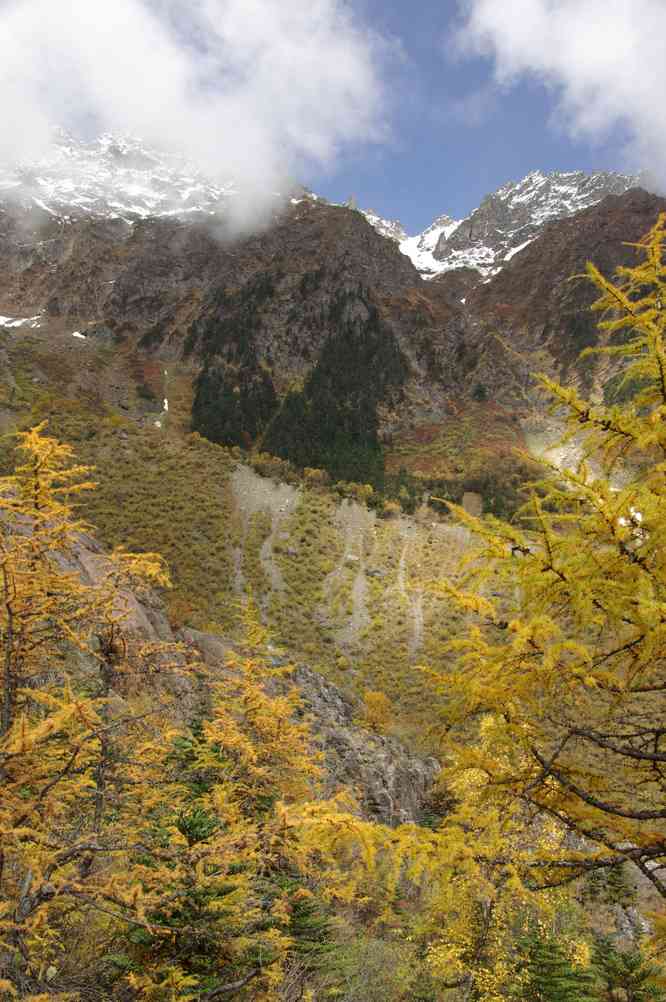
[316, 339]
[510, 218]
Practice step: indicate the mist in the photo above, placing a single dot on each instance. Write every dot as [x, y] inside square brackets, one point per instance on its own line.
[259, 91]
[604, 61]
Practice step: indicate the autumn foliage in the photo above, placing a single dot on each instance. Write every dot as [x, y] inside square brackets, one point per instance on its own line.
[168, 830]
[556, 689]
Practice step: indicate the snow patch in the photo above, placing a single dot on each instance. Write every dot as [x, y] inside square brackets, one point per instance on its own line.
[420, 248]
[517, 250]
[20, 321]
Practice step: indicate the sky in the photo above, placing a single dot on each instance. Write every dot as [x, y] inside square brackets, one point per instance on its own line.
[456, 134]
[414, 109]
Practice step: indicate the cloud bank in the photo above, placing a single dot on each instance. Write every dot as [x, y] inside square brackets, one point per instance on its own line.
[258, 90]
[604, 59]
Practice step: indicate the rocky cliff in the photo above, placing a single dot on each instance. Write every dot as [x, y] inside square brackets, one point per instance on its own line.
[510, 218]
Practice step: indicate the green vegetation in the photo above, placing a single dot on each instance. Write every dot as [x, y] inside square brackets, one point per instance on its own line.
[332, 422]
[549, 975]
[234, 395]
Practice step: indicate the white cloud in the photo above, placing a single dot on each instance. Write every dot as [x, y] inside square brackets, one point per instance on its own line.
[256, 89]
[604, 59]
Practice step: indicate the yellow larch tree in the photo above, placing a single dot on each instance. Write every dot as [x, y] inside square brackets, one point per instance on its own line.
[71, 796]
[556, 690]
[173, 820]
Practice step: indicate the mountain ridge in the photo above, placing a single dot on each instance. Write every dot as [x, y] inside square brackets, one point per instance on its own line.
[505, 221]
[123, 177]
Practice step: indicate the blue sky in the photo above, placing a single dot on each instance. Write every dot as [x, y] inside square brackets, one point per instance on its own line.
[255, 90]
[455, 137]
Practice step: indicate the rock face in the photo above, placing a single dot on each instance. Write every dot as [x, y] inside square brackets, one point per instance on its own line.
[316, 339]
[533, 300]
[509, 219]
[390, 228]
[391, 784]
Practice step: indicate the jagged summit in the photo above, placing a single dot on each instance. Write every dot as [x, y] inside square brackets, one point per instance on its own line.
[123, 177]
[505, 221]
[391, 228]
[510, 218]
[421, 247]
[111, 176]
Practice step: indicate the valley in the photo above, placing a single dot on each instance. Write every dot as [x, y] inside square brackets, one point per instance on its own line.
[314, 434]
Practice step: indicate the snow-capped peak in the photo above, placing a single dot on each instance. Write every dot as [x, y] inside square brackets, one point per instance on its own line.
[391, 228]
[420, 247]
[112, 176]
[505, 222]
[509, 219]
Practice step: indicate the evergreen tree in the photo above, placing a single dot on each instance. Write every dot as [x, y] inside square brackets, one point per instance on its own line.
[549, 975]
[626, 971]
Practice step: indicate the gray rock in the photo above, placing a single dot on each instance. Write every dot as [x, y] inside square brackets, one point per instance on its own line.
[515, 214]
[391, 784]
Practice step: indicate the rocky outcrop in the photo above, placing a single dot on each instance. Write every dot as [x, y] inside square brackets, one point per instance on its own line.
[390, 784]
[511, 217]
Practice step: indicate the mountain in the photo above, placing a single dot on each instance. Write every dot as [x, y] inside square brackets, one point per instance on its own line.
[391, 228]
[316, 339]
[122, 177]
[421, 247]
[505, 221]
[509, 219]
[282, 416]
[112, 177]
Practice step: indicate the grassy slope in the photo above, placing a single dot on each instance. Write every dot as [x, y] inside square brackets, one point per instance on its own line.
[339, 586]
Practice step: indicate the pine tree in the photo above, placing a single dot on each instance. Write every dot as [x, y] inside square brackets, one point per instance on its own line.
[626, 971]
[549, 975]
